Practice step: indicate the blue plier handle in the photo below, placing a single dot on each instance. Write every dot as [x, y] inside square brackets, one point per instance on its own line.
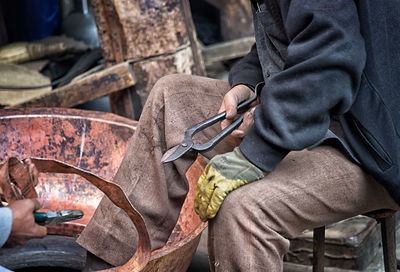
[188, 145]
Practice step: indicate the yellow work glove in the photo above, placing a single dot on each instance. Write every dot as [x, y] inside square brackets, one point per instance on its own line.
[223, 174]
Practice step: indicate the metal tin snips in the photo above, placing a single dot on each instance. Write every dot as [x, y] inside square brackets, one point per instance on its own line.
[188, 145]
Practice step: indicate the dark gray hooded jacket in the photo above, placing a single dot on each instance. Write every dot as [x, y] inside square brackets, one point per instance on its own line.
[324, 59]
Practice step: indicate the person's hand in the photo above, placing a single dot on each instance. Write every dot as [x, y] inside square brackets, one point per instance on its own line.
[23, 225]
[231, 100]
[223, 174]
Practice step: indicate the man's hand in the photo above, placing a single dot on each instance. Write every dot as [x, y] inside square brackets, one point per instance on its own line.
[231, 100]
[223, 174]
[23, 225]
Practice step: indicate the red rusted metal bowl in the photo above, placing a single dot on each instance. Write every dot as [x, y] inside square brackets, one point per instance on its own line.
[94, 142]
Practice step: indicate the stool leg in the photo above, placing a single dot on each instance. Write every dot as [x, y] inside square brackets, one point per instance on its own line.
[388, 230]
[318, 249]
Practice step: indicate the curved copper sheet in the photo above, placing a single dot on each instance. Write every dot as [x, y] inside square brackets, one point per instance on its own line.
[142, 255]
[94, 142]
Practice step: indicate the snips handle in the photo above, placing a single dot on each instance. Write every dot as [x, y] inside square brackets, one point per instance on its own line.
[225, 132]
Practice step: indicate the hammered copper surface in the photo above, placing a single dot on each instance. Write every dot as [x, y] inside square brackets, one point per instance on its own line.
[93, 144]
[92, 141]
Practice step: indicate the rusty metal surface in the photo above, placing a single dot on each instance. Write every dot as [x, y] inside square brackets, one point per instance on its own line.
[157, 37]
[152, 69]
[92, 144]
[349, 244]
[127, 28]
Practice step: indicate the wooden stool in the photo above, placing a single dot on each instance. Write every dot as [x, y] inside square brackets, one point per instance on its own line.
[388, 229]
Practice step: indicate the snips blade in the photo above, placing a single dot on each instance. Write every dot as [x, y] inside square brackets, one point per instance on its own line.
[175, 152]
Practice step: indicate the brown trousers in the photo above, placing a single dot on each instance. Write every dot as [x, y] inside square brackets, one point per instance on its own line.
[308, 188]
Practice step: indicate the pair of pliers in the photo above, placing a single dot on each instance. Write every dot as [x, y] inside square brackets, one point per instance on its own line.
[57, 217]
[188, 145]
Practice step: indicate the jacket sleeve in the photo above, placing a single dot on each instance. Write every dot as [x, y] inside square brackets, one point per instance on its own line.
[247, 71]
[5, 224]
[321, 76]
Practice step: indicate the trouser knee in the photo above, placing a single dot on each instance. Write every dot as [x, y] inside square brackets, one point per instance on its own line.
[170, 84]
[243, 224]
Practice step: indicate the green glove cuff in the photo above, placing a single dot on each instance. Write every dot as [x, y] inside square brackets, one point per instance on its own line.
[234, 165]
